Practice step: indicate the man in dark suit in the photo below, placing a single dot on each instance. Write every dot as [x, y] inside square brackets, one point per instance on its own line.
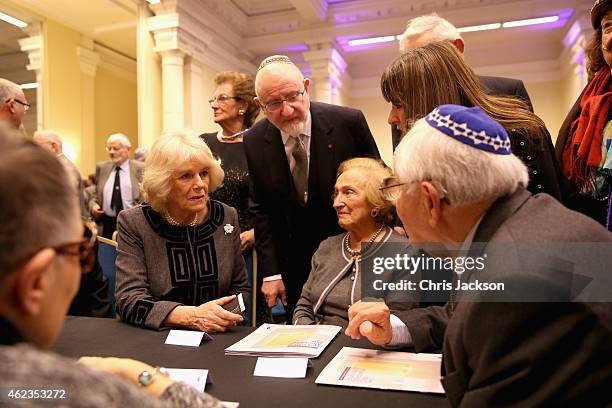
[502, 347]
[293, 156]
[117, 184]
[431, 28]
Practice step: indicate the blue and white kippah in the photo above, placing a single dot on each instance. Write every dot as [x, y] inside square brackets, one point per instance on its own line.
[470, 126]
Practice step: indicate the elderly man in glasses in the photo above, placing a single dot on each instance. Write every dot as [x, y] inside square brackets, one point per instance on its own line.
[513, 333]
[118, 184]
[293, 156]
[13, 104]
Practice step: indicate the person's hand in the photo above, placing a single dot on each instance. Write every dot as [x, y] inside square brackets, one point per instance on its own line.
[97, 212]
[210, 317]
[273, 290]
[372, 320]
[129, 370]
[247, 239]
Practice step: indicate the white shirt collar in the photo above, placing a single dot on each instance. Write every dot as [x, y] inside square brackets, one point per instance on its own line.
[125, 166]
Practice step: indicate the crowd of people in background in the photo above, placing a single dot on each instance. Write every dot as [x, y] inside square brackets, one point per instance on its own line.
[304, 187]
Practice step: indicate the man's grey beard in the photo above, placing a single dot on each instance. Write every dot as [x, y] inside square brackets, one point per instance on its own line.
[294, 128]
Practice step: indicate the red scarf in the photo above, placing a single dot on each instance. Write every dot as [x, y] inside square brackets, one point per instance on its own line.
[582, 151]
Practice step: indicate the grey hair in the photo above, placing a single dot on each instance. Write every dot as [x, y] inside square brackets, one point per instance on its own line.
[50, 134]
[39, 205]
[121, 138]
[8, 90]
[436, 27]
[141, 153]
[468, 175]
[171, 151]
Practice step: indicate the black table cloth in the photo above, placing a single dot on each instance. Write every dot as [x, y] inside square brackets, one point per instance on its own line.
[232, 376]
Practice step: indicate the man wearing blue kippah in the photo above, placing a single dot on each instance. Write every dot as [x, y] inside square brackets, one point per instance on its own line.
[518, 331]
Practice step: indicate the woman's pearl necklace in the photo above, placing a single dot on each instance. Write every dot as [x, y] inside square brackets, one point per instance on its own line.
[172, 221]
[357, 252]
[232, 137]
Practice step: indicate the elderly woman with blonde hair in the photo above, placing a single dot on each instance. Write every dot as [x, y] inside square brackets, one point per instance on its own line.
[179, 258]
[334, 283]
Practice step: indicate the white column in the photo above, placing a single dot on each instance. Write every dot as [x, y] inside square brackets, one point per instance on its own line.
[327, 67]
[196, 100]
[173, 90]
[149, 79]
[33, 46]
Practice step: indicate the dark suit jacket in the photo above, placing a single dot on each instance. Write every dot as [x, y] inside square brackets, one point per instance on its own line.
[509, 354]
[501, 86]
[103, 172]
[287, 234]
[92, 298]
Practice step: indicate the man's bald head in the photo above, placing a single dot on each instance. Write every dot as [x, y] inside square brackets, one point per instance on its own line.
[49, 140]
[13, 103]
[276, 66]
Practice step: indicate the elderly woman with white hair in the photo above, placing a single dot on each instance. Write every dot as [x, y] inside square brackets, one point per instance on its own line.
[179, 260]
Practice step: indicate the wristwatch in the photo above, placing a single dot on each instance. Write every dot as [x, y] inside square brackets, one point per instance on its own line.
[147, 377]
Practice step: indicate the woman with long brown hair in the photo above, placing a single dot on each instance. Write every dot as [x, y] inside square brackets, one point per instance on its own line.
[436, 74]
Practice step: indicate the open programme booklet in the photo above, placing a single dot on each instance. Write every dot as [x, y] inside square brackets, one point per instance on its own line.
[387, 370]
[273, 340]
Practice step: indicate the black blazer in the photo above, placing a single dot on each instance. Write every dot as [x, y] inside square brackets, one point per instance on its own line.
[287, 233]
[501, 86]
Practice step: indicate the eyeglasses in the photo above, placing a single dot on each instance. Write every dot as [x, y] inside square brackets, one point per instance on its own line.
[223, 99]
[26, 106]
[392, 188]
[114, 148]
[276, 104]
[85, 250]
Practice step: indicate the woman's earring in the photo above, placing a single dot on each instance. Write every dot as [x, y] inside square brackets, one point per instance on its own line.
[374, 213]
[241, 112]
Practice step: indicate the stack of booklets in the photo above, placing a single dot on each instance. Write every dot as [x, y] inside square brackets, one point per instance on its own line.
[273, 340]
[387, 370]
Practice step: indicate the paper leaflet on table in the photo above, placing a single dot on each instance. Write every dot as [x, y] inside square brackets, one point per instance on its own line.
[271, 340]
[387, 370]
